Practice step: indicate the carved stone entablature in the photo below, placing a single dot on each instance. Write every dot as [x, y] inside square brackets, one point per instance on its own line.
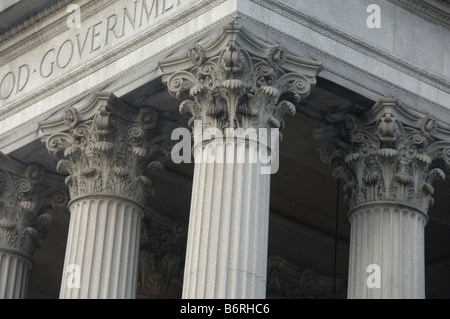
[29, 197]
[388, 154]
[288, 281]
[235, 82]
[106, 147]
[161, 258]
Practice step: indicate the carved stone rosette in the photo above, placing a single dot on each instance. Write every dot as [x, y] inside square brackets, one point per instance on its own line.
[29, 197]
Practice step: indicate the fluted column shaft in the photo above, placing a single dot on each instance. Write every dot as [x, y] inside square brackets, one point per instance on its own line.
[103, 242]
[228, 230]
[14, 273]
[235, 86]
[104, 147]
[390, 236]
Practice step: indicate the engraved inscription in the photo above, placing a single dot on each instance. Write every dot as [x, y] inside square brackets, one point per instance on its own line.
[80, 45]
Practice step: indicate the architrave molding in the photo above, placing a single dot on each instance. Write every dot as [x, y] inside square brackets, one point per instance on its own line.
[33, 20]
[111, 56]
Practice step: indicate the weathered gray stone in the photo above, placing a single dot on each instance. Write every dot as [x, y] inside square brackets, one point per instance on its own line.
[389, 159]
[29, 197]
[105, 155]
[234, 83]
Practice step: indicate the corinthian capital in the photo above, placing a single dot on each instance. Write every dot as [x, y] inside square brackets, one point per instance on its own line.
[29, 196]
[105, 148]
[388, 154]
[235, 82]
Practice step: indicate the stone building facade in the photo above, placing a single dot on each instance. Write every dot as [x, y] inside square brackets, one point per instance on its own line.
[101, 198]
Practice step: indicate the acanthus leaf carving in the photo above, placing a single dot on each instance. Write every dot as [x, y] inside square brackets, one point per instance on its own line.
[232, 87]
[382, 158]
[287, 280]
[27, 205]
[161, 260]
[105, 151]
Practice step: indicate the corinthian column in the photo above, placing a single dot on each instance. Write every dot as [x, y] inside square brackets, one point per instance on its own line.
[104, 148]
[238, 92]
[27, 206]
[389, 158]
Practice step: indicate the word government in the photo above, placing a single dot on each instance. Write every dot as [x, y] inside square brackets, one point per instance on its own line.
[84, 44]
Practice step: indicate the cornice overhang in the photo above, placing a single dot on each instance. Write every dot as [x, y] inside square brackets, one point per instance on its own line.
[437, 11]
[32, 20]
